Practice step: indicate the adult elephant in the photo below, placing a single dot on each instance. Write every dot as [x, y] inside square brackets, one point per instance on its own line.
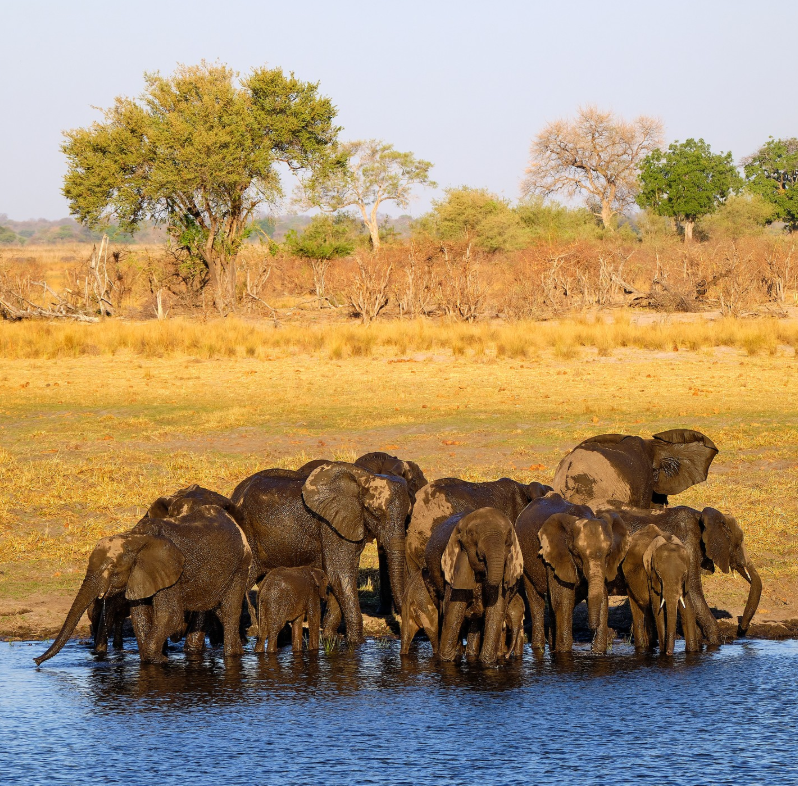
[442, 498]
[323, 520]
[713, 540]
[185, 500]
[617, 469]
[474, 563]
[569, 556]
[167, 569]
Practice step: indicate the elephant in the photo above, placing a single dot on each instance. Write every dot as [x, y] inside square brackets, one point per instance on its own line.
[713, 540]
[185, 500]
[108, 615]
[442, 498]
[569, 556]
[167, 569]
[616, 469]
[475, 565]
[655, 572]
[323, 521]
[290, 595]
[512, 641]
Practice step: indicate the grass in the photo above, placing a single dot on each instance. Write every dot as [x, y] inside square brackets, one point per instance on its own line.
[87, 441]
[235, 338]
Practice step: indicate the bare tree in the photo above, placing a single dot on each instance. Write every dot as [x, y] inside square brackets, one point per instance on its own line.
[374, 173]
[598, 154]
[368, 294]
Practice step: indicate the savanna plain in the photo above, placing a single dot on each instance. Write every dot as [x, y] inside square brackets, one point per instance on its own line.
[96, 421]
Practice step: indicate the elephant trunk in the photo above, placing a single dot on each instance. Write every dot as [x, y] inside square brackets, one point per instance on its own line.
[754, 593]
[452, 624]
[88, 591]
[671, 611]
[494, 619]
[595, 596]
[494, 559]
[395, 551]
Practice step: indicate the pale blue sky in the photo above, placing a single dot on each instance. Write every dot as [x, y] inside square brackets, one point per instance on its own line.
[463, 84]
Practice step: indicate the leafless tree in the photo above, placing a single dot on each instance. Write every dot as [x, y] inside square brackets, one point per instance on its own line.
[368, 292]
[598, 154]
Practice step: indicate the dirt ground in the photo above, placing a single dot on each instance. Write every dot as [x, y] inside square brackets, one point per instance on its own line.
[87, 443]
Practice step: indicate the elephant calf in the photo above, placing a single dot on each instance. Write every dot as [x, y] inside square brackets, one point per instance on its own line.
[290, 595]
[419, 611]
[656, 570]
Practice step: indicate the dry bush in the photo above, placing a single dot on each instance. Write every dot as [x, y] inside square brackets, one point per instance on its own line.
[368, 291]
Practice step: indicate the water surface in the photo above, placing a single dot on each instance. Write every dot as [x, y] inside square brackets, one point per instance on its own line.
[371, 717]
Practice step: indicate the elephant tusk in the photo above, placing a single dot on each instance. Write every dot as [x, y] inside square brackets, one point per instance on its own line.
[745, 573]
[662, 604]
[681, 600]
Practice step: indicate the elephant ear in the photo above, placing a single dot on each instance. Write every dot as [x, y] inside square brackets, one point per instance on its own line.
[320, 580]
[415, 478]
[537, 490]
[334, 492]
[158, 565]
[514, 563]
[554, 536]
[681, 459]
[648, 554]
[160, 508]
[716, 538]
[620, 543]
[456, 568]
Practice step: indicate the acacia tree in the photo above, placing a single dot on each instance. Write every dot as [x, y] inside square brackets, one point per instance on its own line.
[772, 172]
[375, 173]
[198, 152]
[687, 182]
[597, 154]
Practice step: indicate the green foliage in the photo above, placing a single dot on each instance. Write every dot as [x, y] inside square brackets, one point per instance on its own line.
[550, 221]
[266, 224]
[325, 237]
[9, 237]
[477, 216]
[740, 215]
[199, 151]
[688, 181]
[772, 172]
[652, 226]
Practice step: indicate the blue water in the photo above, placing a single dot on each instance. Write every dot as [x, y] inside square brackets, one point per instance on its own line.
[371, 717]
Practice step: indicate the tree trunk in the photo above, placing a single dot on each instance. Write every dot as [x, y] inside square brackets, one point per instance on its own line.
[606, 214]
[688, 225]
[374, 230]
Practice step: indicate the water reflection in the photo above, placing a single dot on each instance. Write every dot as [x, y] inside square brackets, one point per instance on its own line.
[372, 716]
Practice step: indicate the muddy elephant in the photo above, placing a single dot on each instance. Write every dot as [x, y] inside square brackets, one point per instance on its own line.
[442, 498]
[185, 500]
[323, 521]
[713, 540]
[617, 469]
[569, 556]
[475, 565]
[290, 595]
[167, 569]
[655, 573]
[419, 612]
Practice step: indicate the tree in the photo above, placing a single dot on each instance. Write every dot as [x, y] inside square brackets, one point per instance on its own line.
[739, 215]
[772, 172]
[198, 151]
[687, 182]
[324, 239]
[474, 215]
[598, 153]
[375, 173]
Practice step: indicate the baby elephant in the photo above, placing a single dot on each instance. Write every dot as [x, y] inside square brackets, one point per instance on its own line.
[289, 595]
[656, 568]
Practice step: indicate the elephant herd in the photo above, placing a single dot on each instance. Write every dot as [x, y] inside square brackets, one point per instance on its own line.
[467, 563]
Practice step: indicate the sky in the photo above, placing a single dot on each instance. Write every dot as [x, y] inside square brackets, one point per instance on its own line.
[465, 85]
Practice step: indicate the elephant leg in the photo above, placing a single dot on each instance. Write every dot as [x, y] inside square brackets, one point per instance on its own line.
[342, 567]
[262, 616]
[639, 627]
[429, 621]
[296, 633]
[167, 616]
[100, 626]
[314, 621]
[118, 625]
[453, 615]
[537, 608]
[141, 617]
[273, 628]
[332, 617]
[689, 629]
[474, 638]
[562, 600]
[386, 597]
[230, 614]
[195, 636]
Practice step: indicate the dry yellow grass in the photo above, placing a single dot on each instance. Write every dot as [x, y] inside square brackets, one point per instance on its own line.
[261, 340]
[88, 441]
